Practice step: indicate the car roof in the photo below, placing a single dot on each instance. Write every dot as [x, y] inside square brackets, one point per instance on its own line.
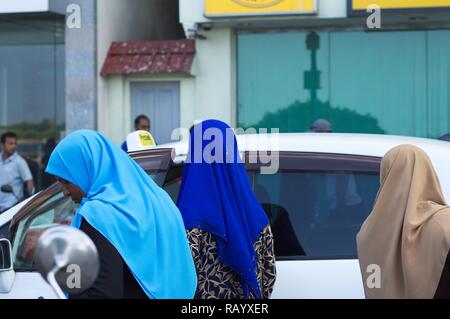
[356, 144]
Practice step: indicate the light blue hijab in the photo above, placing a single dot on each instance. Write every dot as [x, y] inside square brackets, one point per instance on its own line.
[125, 205]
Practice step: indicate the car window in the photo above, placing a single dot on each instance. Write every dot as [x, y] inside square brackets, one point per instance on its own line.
[172, 182]
[158, 177]
[4, 230]
[58, 210]
[316, 214]
[155, 163]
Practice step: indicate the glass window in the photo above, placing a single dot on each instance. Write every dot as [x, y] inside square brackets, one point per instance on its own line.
[5, 255]
[362, 82]
[32, 86]
[316, 214]
[172, 182]
[155, 163]
[58, 210]
[4, 230]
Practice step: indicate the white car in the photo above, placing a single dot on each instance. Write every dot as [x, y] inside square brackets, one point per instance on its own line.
[323, 190]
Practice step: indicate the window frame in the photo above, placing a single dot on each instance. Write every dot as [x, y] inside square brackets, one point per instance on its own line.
[28, 219]
[291, 161]
[351, 25]
[28, 209]
[4, 230]
[314, 161]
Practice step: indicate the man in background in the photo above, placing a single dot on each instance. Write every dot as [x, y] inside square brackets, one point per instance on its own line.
[141, 123]
[14, 173]
[321, 126]
[445, 137]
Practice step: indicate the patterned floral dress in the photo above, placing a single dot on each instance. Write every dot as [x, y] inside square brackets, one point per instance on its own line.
[218, 281]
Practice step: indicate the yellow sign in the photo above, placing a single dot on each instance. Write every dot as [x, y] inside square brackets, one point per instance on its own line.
[223, 8]
[146, 139]
[359, 5]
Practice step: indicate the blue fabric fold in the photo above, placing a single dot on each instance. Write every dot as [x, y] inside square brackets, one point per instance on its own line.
[216, 197]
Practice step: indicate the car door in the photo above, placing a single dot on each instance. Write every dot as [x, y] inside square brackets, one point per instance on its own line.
[50, 211]
[316, 203]
[51, 208]
[7, 216]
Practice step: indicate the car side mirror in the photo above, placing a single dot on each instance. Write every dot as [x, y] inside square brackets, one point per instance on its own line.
[5, 255]
[7, 274]
[7, 189]
[67, 259]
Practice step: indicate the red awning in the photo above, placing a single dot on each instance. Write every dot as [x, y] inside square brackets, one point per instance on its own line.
[149, 57]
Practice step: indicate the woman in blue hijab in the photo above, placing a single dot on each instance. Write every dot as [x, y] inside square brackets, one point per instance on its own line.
[229, 233]
[138, 230]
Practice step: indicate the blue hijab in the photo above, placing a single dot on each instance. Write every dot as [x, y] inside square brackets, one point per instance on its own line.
[216, 197]
[125, 205]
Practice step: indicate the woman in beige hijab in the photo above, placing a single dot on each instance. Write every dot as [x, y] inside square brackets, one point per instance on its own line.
[407, 234]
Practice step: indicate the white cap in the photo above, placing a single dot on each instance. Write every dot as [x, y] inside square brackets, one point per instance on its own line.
[139, 141]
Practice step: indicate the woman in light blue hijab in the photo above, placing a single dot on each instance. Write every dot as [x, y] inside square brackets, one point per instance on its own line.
[132, 220]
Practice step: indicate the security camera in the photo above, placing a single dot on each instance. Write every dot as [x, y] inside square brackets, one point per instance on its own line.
[190, 30]
[190, 33]
[207, 26]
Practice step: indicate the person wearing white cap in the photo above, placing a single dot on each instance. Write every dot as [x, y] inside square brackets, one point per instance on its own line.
[139, 141]
[141, 123]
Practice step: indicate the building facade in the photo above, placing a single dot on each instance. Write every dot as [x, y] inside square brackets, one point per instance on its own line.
[51, 55]
[283, 64]
[96, 64]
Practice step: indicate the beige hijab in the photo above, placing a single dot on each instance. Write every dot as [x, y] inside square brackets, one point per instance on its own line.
[407, 233]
